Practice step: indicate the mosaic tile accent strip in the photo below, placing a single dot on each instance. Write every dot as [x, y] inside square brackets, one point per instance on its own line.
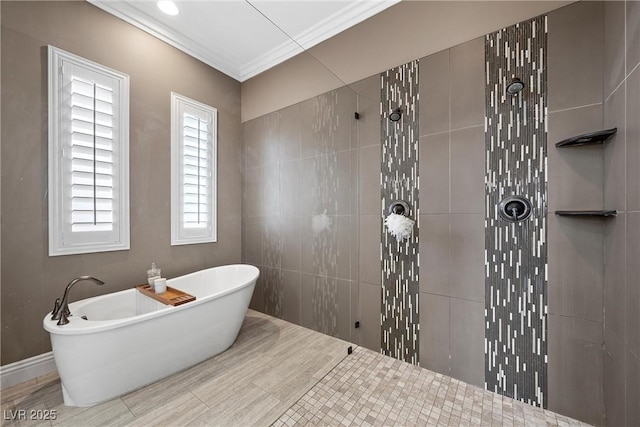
[516, 253]
[369, 389]
[399, 181]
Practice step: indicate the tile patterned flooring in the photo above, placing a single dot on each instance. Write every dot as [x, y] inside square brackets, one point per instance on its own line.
[280, 374]
[369, 389]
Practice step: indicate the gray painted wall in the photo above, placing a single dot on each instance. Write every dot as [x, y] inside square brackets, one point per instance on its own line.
[31, 280]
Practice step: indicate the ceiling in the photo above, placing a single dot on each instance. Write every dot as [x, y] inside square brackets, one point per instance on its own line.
[244, 38]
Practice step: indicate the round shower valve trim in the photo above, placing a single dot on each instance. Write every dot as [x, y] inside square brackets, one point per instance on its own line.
[514, 209]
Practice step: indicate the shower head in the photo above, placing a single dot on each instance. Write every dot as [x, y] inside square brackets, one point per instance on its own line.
[515, 86]
[395, 115]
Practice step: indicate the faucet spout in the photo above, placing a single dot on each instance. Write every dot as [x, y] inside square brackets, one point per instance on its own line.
[61, 308]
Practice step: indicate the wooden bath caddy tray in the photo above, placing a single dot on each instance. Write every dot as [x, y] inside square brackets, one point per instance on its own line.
[173, 296]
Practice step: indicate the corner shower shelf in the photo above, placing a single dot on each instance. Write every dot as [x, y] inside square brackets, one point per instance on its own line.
[588, 138]
[603, 214]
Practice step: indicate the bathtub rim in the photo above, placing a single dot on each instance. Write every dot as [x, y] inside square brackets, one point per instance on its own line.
[79, 326]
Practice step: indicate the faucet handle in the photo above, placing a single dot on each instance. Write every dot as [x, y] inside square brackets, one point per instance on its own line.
[63, 318]
[56, 309]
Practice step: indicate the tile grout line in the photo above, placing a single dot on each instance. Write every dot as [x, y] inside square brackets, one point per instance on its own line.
[128, 409]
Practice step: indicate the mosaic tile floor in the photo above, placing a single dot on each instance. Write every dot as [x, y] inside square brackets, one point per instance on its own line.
[369, 389]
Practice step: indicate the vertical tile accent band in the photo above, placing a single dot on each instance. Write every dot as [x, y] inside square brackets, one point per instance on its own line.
[516, 253]
[399, 181]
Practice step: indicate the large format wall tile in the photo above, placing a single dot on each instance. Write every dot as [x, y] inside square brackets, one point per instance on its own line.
[434, 332]
[467, 84]
[291, 298]
[345, 305]
[632, 296]
[614, 379]
[614, 45]
[369, 314]
[632, 389]
[290, 133]
[291, 242]
[575, 60]
[466, 257]
[576, 274]
[434, 93]
[632, 15]
[368, 124]
[328, 123]
[467, 171]
[270, 191]
[252, 149]
[290, 188]
[253, 232]
[575, 173]
[466, 341]
[434, 173]
[273, 290]
[615, 151]
[347, 260]
[299, 211]
[434, 254]
[575, 368]
[272, 242]
[614, 274]
[369, 264]
[633, 138]
[252, 192]
[369, 180]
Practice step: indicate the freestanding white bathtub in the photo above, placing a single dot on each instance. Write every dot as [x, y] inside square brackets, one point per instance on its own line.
[131, 340]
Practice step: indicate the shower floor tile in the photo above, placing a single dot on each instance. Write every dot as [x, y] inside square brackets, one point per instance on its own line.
[370, 389]
[281, 374]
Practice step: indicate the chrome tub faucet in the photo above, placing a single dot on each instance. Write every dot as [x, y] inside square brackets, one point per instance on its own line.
[61, 311]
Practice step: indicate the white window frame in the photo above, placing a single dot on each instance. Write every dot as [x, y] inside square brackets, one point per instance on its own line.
[62, 241]
[181, 235]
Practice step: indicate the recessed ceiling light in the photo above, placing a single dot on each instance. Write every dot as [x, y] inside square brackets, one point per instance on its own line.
[168, 7]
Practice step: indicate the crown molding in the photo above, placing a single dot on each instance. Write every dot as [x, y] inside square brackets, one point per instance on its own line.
[351, 14]
[174, 38]
[345, 18]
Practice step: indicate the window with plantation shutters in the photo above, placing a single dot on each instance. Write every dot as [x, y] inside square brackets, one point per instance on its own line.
[193, 177]
[88, 156]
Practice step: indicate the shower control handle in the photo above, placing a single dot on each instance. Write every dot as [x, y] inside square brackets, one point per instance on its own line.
[514, 209]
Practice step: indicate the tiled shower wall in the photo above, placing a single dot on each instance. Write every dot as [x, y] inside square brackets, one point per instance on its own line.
[622, 234]
[575, 181]
[516, 253]
[586, 42]
[300, 216]
[399, 179]
[594, 48]
[452, 212]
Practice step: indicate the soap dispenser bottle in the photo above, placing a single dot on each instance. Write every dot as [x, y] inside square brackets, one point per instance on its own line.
[153, 274]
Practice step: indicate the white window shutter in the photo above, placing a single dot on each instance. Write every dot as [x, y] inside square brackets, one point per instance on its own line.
[88, 156]
[193, 177]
